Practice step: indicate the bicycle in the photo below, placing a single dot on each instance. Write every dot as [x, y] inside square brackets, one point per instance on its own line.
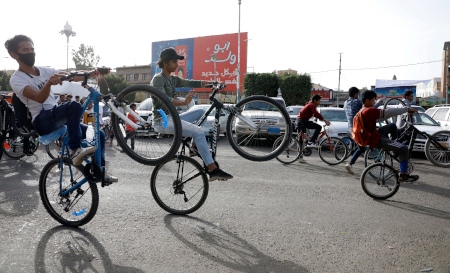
[332, 150]
[437, 145]
[69, 193]
[180, 186]
[17, 139]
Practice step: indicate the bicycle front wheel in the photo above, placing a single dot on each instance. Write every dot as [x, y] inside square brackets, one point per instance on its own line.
[380, 181]
[253, 126]
[158, 136]
[332, 150]
[75, 208]
[292, 151]
[179, 186]
[54, 148]
[439, 155]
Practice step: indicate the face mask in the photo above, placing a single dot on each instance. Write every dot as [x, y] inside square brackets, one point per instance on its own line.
[27, 58]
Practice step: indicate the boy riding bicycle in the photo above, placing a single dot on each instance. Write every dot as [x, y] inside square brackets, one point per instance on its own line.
[370, 116]
[307, 112]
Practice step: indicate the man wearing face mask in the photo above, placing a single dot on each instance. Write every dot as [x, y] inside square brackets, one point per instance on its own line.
[32, 85]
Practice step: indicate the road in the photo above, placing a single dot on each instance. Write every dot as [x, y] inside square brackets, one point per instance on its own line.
[270, 218]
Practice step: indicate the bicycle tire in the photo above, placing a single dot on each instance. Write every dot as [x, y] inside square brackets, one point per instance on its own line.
[12, 145]
[434, 153]
[351, 145]
[380, 181]
[273, 121]
[373, 155]
[184, 198]
[332, 150]
[85, 198]
[153, 148]
[291, 153]
[54, 148]
[394, 102]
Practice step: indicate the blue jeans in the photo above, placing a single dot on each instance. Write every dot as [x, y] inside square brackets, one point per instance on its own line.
[191, 130]
[69, 114]
[102, 142]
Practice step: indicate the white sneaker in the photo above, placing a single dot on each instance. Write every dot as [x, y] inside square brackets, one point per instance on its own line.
[312, 145]
[349, 168]
[81, 154]
[301, 160]
[110, 178]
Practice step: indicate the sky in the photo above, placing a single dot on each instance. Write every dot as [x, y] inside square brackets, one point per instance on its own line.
[377, 39]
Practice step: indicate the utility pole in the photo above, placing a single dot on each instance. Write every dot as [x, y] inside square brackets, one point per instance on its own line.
[339, 81]
[238, 91]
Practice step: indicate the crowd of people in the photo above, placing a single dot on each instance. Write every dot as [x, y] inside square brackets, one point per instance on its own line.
[32, 85]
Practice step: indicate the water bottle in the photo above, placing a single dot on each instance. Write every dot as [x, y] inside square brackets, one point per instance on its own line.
[90, 132]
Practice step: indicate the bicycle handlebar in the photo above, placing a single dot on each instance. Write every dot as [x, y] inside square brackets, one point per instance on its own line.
[216, 85]
[100, 70]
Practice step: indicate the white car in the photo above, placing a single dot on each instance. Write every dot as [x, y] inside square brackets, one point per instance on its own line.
[272, 122]
[293, 112]
[424, 123]
[338, 119]
[208, 124]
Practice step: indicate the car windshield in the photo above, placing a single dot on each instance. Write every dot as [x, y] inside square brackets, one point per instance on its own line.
[146, 105]
[424, 119]
[333, 114]
[294, 110]
[261, 105]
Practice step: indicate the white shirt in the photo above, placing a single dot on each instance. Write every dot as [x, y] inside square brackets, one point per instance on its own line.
[19, 80]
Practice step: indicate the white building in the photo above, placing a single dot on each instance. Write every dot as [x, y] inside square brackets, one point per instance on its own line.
[429, 88]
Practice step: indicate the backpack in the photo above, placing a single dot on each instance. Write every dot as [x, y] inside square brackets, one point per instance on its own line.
[359, 134]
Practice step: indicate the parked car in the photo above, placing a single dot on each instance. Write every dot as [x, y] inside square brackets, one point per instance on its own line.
[336, 116]
[259, 112]
[208, 124]
[423, 122]
[441, 114]
[293, 111]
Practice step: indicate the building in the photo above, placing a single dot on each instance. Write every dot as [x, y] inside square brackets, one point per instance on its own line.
[138, 74]
[429, 88]
[288, 71]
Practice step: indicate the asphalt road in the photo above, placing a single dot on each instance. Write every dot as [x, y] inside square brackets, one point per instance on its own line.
[270, 218]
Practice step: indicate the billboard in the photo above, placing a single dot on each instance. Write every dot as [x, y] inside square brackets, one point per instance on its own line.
[209, 58]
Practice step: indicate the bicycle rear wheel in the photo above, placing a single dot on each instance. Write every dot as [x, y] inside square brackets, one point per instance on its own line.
[253, 126]
[179, 186]
[380, 181]
[77, 207]
[373, 155]
[159, 134]
[439, 156]
[332, 150]
[292, 151]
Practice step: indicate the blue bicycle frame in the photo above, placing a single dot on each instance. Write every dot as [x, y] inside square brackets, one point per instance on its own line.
[96, 97]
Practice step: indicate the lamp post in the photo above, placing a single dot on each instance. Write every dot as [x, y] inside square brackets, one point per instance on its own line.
[214, 58]
[238, 95]
[68, 32]
[339, 81]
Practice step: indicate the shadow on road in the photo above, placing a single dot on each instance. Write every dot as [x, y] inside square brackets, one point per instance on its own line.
[416, 208]
[224, 247]
[66, 249]
[19, 180]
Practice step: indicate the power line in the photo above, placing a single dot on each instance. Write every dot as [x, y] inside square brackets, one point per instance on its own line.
[380, 67]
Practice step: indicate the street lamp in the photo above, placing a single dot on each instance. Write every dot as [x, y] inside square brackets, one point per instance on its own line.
[214, 59]
[68, 32]
[239, 56]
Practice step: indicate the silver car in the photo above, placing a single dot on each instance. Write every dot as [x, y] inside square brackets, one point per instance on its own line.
[272, 122]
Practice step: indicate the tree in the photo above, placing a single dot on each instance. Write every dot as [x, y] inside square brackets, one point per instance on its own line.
[85, 58]
[115, 83]
[4, 81]
[261, 84]
[295, 89]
